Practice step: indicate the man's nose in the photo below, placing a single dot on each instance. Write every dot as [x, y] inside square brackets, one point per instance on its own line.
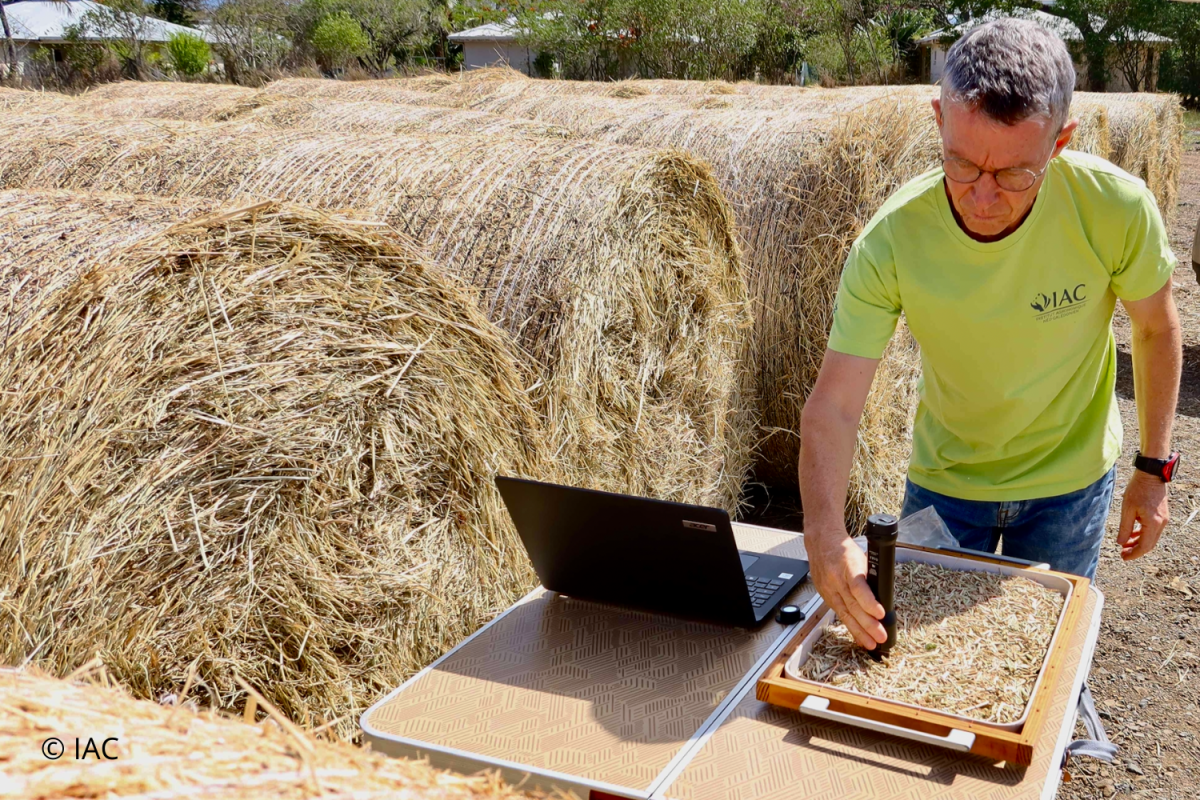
[986, 190]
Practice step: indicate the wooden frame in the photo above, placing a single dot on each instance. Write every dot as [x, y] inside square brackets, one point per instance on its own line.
[990, 741]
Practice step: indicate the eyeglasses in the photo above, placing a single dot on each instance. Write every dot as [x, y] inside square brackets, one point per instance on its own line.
[1010, 179]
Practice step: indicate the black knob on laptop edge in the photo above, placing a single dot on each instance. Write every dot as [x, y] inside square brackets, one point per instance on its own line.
[789, 615]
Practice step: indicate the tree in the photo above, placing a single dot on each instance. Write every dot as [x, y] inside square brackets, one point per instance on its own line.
[10, 46]
[394, 28]
[249, 36]
[180, 12]
[1101, 23]
[338, 39]
[189, 54]
[1180, 69]
[123, 26]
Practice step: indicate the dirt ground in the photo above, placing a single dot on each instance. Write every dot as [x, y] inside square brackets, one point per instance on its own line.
[1146, 674]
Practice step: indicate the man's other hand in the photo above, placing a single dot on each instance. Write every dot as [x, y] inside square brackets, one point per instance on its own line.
[1144, 514]
[839, 572]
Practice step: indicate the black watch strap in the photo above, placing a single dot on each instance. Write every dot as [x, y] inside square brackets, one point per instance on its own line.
[1161, 468]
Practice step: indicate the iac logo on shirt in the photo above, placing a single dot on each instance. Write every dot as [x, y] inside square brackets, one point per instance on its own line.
[1059, 303]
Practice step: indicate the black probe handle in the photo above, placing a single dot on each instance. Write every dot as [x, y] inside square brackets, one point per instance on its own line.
[882, 533]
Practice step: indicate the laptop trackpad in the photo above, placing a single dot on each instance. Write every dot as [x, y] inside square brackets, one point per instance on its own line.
[747, 560]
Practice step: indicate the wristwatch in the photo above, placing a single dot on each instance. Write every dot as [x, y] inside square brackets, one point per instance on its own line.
[1161, 468]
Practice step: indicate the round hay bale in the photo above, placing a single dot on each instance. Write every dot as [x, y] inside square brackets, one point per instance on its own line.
[1134, 134]
[334, 116]
[1168, 153]
[260, 441]
[615, 268]
[802, 184]
[165, 752]
[195, 102]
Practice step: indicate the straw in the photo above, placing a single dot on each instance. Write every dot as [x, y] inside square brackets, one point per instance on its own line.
[166, 753]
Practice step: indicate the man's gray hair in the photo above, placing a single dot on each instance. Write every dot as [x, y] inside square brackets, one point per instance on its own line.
[1011, 70]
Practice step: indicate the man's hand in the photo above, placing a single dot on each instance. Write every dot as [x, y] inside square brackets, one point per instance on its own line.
[1144, 514]
[839, 572]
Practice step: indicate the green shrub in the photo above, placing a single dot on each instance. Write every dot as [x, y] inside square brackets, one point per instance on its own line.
[337, 39]
[188, 54]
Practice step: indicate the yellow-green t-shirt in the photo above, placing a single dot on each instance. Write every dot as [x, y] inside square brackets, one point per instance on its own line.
[1016, 336]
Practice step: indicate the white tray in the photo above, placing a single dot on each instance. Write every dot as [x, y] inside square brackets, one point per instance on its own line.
[1051, 581]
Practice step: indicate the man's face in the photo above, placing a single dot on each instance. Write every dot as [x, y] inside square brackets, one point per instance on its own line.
[984, 208]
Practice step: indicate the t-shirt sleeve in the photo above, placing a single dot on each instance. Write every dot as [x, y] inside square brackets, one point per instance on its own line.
[1147, 260]
[867, 305]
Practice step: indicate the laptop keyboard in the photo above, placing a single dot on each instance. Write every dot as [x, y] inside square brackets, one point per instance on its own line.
[762, 589]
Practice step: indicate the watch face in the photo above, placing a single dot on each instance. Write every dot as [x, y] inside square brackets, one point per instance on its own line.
[1169, 468]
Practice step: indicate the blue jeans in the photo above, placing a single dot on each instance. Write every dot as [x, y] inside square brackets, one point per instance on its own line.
[1064, 531]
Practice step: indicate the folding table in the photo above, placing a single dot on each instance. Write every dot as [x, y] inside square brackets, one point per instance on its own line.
[560, 693]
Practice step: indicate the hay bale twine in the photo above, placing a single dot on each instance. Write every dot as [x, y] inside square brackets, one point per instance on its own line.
[260, 441]
[615, 268]
[166, 752]
[195, 102]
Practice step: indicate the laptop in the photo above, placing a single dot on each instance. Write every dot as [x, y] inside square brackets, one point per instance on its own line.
[646, 554]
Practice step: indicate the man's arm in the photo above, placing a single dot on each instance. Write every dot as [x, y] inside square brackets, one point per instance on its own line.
[828, 430]
[1157, 360]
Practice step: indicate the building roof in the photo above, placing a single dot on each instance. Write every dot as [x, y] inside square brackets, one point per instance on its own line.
[44, 21]
[1065, 29]
[488, 32]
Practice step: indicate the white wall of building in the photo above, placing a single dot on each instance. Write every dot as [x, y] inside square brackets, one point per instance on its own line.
[485, 53]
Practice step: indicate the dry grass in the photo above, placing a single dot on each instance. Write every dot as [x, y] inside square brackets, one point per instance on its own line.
[615, 268]
[258, 441]
[167, 753]
[20, 101]
[968, 643]
[408, 91]
[195, 102]
[333, 116]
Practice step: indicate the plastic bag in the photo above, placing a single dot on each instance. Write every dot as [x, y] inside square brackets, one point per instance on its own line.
[926, 529]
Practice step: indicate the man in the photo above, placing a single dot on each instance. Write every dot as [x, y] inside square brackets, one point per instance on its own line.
[1007, 263]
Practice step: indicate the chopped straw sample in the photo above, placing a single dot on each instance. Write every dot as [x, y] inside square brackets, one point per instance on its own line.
[165, 752]
[967, 643]
[263, 441]
[616, 269]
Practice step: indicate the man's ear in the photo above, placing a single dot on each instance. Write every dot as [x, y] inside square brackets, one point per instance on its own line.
[937, 111]
[1064, 136]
